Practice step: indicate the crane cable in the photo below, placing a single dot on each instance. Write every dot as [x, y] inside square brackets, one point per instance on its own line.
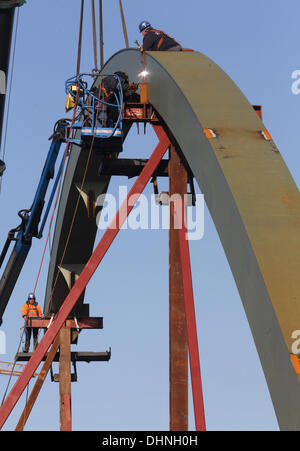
[101, 43]
[80, 38]
[124, 24]
[94, 35]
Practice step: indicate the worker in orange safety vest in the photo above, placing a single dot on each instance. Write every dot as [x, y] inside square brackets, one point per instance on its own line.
[31, 309]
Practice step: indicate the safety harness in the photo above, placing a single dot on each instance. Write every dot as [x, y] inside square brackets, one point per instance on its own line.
[164, 35]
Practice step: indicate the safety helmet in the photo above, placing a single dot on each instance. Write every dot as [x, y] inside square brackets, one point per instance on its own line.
[143, 25]
[31, 296]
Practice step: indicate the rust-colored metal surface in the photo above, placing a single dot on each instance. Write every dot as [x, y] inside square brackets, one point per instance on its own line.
[65, 378]
[177, 323]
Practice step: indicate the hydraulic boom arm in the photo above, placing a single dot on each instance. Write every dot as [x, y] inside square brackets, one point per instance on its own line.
[23, 234]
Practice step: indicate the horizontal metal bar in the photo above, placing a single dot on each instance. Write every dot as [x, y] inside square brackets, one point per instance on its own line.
[75, 356]
[130, 167]
[82, 323]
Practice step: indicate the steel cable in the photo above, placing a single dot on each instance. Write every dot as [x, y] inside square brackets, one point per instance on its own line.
[94, 35]
[80, 38]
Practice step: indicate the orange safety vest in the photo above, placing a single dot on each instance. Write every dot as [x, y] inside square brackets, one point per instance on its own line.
[31, 309]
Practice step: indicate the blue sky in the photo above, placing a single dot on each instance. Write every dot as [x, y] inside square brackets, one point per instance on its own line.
[255, 42]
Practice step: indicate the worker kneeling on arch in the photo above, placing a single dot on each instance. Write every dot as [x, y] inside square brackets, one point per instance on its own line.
[157, 40]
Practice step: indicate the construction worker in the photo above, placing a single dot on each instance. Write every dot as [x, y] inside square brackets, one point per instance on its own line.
[157, 40]
[31, 309]
[108, 115]
[2, 167]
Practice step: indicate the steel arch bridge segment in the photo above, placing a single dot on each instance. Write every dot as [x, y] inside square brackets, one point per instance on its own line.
[252, 198]
[251, 195]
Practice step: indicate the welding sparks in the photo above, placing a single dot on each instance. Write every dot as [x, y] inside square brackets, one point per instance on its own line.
[144, 73]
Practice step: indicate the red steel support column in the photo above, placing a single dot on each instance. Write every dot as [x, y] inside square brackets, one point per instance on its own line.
[67, 413]
[65, 379]
[177, 322]
[85, 276]
[180, 211]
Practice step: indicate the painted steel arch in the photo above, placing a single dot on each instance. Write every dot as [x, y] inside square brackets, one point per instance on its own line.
[252, 198]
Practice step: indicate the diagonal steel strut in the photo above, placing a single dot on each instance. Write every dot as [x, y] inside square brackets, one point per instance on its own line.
[85, 276]
[37, 386]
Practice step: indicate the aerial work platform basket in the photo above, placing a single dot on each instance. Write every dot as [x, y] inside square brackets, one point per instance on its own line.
[100, 117]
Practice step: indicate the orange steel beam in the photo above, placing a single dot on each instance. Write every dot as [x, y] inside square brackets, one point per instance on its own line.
[82, 323]
[85, 276]
[65, 379]
[67, 412]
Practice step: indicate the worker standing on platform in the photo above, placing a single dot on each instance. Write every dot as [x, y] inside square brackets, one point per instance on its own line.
[157, 40]
[31, 309]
